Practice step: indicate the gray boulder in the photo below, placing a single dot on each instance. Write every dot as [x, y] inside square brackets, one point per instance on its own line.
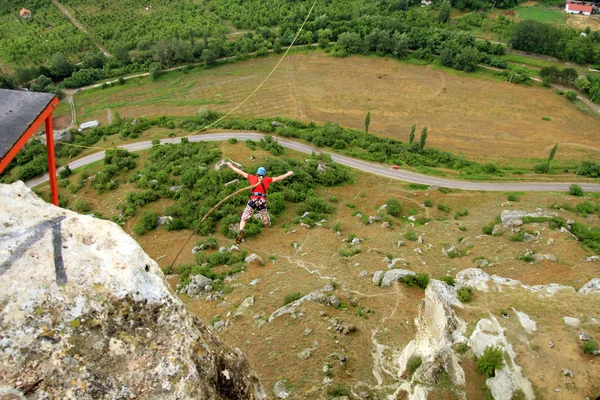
[59, 136]
[592, 287]
[280, 390]
[394, 275]
[254, 258]
[197, 285]
[450, 250]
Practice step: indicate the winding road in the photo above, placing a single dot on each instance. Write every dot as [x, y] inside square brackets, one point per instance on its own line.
[374, 168]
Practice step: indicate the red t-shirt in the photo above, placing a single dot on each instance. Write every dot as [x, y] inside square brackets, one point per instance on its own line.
[266, 181]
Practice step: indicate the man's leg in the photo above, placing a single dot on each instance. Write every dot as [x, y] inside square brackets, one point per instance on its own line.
[245, 217]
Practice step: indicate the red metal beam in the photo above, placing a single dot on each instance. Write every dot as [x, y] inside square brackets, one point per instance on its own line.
[28, 134]
[44, 117]
[51, 160]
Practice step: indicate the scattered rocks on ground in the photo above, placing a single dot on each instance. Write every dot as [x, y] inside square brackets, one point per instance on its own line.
[566, 372]
[255, 282]
[233, 248]
[450, 250]
[307, 331]
[583, 336]
[418, 250]
[373, 218]
[386, 278]
[254, 258]
[508, 216]
[542, 257]
[165, 220]
[382, 208]
[339, 356]
[279, 389]
[222, 249]
[386, 225]
[497, 230]
[373, 250]
[592, 287]
[528, 237]
[342, 326]
[396, 261]
[175, 189]
[550, 344]
[356, 241]
[420, 240]
[248, 301]
[574, 322]
[197, 285]
[364, 273]
[400, 243]
[593, 258]
[482, 263]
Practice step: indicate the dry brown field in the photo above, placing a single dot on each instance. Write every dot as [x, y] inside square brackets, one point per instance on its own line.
[580, 22]
[474, 115]
[272, 348]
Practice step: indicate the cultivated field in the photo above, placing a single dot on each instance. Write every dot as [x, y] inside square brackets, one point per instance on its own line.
[314, 261]
[473, 115]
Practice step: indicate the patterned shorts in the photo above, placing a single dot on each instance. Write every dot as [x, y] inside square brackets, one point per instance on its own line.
[259, 204]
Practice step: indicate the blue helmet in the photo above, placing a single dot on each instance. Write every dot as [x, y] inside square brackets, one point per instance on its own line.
[261, 171]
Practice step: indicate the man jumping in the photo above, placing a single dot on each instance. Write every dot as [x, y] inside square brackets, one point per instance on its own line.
[258, 197]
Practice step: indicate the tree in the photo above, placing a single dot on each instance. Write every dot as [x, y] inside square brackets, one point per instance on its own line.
[348, 43]
[164, 52]
[423, 139]
[551, 157]
[400, 44]
[6, 81]
[367, 121]
[94, 60]
[41, 84]
[446, 57]
[571, 95]
[445, 9]
[121, 55]
[60, 66]
[412, 134]
[277, 46]
[324, 37]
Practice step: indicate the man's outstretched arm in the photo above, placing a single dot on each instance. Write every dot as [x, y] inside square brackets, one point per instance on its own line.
[282, 177]
[239, 171]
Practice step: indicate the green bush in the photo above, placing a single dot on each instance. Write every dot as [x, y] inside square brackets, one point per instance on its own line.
[421, 280]
[448, 279]
[147, 221]
[462, 213]
[487, 229]
[464, 294]
[65, 172]
[575, 190]
[411, 235]
[512, 197]
[413, 364]
[338, 390]
[589, 347]
[83, 206]
[428, 203]
[394, 208]
[491, 360]
[571, 95]
[232, 140]
[443, 208]
[290, 298]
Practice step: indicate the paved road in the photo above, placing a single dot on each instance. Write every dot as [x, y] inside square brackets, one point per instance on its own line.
[374, 168]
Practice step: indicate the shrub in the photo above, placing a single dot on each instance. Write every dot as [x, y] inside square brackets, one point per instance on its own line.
[462, 228]
[349, 253]
[546, 118]
[571, 95]
[413, 364]
[290, 298]
[512, 197]
[448, 279]
[83, 206]
[526, 257]
[420, 280]
[232, 140]
[461, 348]
[490, 227]
[333, 199]
[411, 235]
[589, 347]
[65, 172]
[575, 190]
[443, 208]
[464, 294]
[338, 390]
[394, 208]
[462, 213]
[147, 221]
[491, 360]
[428, 203]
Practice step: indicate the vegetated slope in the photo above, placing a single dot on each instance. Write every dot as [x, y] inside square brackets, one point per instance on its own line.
[36, 40]
[350, 339]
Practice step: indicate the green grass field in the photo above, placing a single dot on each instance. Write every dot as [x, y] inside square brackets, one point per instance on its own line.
[542, 14]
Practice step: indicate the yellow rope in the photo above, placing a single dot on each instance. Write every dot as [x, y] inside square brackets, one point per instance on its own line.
[236, 107]
[265, 80]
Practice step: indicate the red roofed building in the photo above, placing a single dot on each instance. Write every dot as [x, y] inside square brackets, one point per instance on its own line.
[25, 13]
[578, 8]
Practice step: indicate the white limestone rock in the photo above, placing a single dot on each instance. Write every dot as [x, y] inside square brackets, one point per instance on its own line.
[82, 302]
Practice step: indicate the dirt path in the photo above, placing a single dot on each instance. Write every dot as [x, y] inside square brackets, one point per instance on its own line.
[81, 27]
[373, 168]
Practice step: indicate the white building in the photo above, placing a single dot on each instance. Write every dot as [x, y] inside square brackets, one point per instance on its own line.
[89, 124]
[578, 8]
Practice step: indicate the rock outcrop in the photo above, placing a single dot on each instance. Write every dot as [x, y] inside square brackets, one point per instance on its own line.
[86, 314]
[438, 329]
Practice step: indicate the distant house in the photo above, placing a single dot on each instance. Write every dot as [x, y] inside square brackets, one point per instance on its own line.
[25, 13]
[578, 8]
[88, 125]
